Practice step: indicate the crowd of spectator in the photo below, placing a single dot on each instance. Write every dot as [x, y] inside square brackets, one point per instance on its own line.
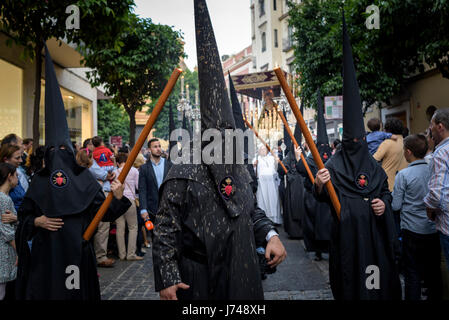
[417, 167]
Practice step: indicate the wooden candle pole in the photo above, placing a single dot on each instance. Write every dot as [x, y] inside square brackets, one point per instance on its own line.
[134, 152]
[316, 156]
[289, 131]
[266, 145]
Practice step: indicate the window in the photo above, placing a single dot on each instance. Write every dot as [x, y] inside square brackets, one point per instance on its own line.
[290, 36]
[78, 112]
[274, 5]
[276, 43]
[11, 84]
[264, 42]
[261, 7]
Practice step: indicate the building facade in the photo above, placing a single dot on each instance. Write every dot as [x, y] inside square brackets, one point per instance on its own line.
[272, 38]
[240, 64]
[17, 86]
[421, 91]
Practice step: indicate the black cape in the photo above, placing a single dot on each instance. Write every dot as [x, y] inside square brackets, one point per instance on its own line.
[293, 202]
[197, 242]
[361, 239]
[41, 273]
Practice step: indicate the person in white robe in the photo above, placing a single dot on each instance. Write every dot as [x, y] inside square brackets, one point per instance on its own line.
[268, 182]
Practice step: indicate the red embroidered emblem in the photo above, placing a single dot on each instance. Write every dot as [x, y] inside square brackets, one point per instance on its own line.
[362, 181]
[59, 179]
[227, 187]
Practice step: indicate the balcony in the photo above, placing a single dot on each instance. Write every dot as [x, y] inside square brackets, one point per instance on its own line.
[287, 44]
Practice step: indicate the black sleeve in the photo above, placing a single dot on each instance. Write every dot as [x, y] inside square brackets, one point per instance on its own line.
[26, 230]
[26, 214]
[115, 210]
[385, 195]
[167, 229]
[262, 225]
[323, 196]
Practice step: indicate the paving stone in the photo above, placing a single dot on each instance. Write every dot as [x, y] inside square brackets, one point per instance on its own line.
[299, 277]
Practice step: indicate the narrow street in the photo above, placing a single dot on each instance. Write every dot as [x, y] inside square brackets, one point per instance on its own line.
[299, 277]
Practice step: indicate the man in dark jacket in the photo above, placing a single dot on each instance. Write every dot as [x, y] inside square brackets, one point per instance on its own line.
[151, 176]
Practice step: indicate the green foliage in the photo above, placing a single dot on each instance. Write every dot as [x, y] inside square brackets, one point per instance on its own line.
[410, 34]
[140, 70]
[112, 120]
[162, 125]
[31, 22]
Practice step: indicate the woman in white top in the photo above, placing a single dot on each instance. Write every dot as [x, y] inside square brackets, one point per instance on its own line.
[267, 191]
[130, 217]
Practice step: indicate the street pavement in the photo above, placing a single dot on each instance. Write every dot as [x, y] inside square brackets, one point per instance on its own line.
[299, 277]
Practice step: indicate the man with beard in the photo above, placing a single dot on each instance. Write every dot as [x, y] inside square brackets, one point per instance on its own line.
[204, 235]
[54, 261]
[363, 246]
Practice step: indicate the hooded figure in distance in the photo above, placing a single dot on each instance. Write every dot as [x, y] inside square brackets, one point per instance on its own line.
[317, 218]
[205, 236]
[363, 247]
[293, 202]
[55, 263]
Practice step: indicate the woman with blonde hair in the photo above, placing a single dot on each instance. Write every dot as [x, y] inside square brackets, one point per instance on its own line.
[140, 161]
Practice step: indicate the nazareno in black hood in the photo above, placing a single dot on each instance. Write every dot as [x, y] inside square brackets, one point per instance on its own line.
[232, 180]
[62, 187]
[355, 169]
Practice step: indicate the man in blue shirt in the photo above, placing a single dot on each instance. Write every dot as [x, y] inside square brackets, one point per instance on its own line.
[151, 176]
[376, 137]
[421, 247]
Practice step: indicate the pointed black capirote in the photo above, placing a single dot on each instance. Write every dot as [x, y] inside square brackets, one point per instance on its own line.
[287, 140]
[171, 126]
[216, 111]
[297, 133]
[236, 108]
[353, 125]
[322, 137]
[237, 113]
[62, 187]
[56, 128]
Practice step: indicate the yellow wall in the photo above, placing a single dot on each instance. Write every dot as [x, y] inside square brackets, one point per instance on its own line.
[433, 90]
[10, 99]
[373, 112]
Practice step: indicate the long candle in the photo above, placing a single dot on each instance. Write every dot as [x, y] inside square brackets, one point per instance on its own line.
[182, 85]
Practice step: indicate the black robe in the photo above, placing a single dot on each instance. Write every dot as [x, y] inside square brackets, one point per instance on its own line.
[41, 273]
[317, 219]
[197, 242]
[362, 239]
[281, 174]
[293, 201]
